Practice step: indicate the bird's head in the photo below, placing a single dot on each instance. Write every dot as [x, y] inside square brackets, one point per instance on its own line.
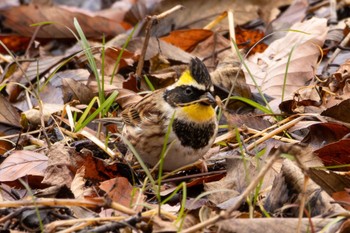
[192, 94]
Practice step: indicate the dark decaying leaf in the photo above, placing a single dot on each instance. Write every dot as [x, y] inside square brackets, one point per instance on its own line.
[322, 134]
[288, 188]
[330, 181]
[340, 112]
[336, 154]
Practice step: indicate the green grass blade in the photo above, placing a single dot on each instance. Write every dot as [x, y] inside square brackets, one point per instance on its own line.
[87, 49]
[103, 106]
[149, 83]
[286, 73]
[116, 65]
[252, 103]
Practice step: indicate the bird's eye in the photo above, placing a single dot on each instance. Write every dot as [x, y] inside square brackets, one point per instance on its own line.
[188, 91]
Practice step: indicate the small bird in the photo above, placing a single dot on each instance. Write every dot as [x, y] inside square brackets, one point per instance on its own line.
[188, 103]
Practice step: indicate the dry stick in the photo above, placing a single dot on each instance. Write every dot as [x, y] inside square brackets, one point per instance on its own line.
[305, 171]
[150, 21]
[75, 228]
[231, 23]
[274, 132]
[302, 203]
[69, 222]
[32, 40]
[23, 134]
[241, 198]
[257, 134]
[60, 223]
[67, 202]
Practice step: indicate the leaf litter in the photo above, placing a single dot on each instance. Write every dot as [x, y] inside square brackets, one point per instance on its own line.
[279, 163]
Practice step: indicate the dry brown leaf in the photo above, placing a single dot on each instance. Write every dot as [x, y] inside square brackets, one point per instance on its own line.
[239, 174]
[296, 12]
[121, 191]
[61, 166]
[197, 14]
[330, 181]
[5, 146]
[342, 196]
[269, 67]
[23, 163]
[8, 114]
[155, 47]
[111, 56]
[78, 183]
[63, 17]
[187, 39]
[75, 90]
[216, 46]
[289, 186]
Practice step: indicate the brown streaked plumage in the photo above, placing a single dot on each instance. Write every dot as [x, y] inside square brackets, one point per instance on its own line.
[194, 128]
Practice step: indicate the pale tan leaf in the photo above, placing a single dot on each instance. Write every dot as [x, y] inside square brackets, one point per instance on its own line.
[23, 163]
[78, 183]
[269, 68]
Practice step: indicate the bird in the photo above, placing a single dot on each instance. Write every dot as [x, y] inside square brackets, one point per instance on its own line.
[188, 105]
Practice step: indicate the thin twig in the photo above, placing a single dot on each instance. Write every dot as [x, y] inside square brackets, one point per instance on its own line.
[302, 203]
[274, 132]
[151, 20]
[255, 182]
[241, 198]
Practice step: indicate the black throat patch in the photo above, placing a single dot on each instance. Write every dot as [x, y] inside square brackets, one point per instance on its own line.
[192, 134]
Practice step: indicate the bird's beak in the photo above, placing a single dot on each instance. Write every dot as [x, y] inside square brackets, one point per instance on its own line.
[207, 98]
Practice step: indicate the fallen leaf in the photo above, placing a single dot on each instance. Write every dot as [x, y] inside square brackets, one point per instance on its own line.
[23, 163]
[330, 181]
[336, 154]
[340, 112]
[269, 67]
[74, 90]
[343, 197]
[121, 191]
[62, 165]
[321, 134]
[8, 114]
[63, 17]
[187, 39]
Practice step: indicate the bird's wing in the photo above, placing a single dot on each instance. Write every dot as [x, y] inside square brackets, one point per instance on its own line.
[144, 112]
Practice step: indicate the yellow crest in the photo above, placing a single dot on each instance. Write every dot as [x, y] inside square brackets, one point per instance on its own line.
[185, 79]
